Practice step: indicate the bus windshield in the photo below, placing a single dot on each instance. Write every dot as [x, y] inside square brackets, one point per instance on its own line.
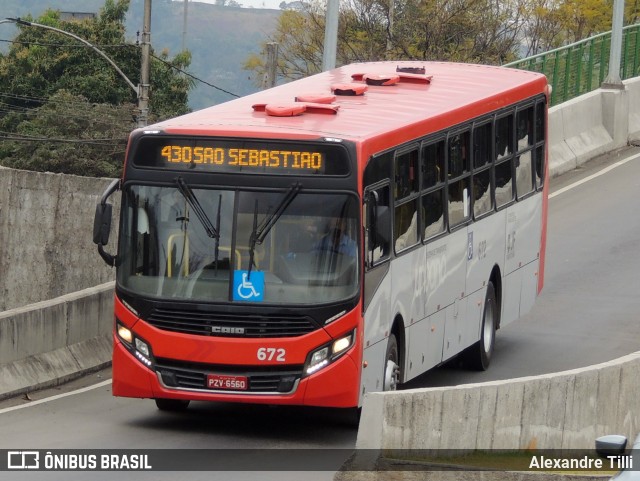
[217, 245]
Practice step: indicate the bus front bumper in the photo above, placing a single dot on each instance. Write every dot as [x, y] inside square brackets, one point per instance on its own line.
[336, 385]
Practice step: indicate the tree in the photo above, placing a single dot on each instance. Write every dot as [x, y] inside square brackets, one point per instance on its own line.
[481, 31]
[41, 64]
[543, 30]
[584, 18]
[369, 30]
[70, 135]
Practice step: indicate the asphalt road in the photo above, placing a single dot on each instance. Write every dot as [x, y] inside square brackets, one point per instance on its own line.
[587, 313]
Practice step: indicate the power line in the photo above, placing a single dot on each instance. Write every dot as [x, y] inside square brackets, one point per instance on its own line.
[194, 77]
[45, 100]
[80, 114]
[65, 45]
[24, 138]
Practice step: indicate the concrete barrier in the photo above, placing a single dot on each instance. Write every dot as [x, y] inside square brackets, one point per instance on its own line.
[50, 342]
[566, 410]
[633, 87]
[593, 124]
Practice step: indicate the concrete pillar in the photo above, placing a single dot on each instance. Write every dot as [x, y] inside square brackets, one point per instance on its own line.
[615, 115]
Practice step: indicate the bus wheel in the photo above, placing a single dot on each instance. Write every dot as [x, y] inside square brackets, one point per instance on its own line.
[391, 367]
[173, 405]
[478, 357]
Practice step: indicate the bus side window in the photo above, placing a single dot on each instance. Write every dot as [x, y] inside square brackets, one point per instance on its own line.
[524, 159]
[482, 156]
[432, 205]
[539, 141]
[459, 174]
[406, 187]
[504, 137]
[504, 160]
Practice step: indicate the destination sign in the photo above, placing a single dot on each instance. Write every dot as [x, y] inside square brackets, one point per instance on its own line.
[213, 155]
[272, 159]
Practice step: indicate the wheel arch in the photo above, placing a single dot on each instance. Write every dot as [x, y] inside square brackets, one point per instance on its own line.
[397, 329]
[496, 279]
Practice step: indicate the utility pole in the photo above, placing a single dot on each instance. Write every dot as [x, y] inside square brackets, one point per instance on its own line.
[184, 25]
[143, 96]
[269, 79]
[330, 35]
[613, 78]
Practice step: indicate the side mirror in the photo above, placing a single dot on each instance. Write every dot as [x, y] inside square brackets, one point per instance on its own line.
[102, 224]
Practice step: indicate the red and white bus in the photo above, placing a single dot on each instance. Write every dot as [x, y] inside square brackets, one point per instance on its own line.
[333, 236]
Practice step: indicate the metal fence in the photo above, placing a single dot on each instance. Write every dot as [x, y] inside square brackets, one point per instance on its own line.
[582, 66]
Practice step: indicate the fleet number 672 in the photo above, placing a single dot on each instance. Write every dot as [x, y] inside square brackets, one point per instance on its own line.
[271, 353]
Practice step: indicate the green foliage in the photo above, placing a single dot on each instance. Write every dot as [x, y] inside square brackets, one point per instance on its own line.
[371, 30]
[70, 135]
[169, 92]
[43, 64]
[477, 31]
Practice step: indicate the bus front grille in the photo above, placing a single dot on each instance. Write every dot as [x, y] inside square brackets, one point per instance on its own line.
[261, 379]
[230, 325]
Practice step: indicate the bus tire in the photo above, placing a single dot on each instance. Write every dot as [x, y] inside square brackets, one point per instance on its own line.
[172, 405]
[391, 367]
[478, 356]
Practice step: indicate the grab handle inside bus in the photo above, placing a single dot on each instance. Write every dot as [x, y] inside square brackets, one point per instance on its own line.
[102, 223]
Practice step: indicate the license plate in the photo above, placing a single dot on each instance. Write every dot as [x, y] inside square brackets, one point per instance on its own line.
[228, 383]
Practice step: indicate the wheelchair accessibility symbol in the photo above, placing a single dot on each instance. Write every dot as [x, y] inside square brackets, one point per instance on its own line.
[249, 288]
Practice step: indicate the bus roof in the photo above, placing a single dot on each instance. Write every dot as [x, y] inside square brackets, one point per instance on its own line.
[456, 92]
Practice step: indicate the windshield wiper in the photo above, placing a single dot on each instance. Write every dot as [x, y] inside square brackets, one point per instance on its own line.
[192, 200]
[217, 229]
[259, 233]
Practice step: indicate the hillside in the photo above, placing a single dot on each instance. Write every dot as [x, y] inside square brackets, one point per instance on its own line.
[219, 38]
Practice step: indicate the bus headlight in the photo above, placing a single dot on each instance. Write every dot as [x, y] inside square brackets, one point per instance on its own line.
[342, 344]
[142, 347]
[327, 354]
[136, 346]
[125, 334]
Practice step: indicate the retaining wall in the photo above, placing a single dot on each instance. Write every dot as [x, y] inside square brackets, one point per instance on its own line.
[46, 231]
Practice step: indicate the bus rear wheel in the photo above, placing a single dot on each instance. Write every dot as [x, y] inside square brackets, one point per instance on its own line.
[478, 356]
[172, 405]
[391, 366]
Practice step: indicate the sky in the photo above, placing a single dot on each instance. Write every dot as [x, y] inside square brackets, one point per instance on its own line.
[275, 4]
